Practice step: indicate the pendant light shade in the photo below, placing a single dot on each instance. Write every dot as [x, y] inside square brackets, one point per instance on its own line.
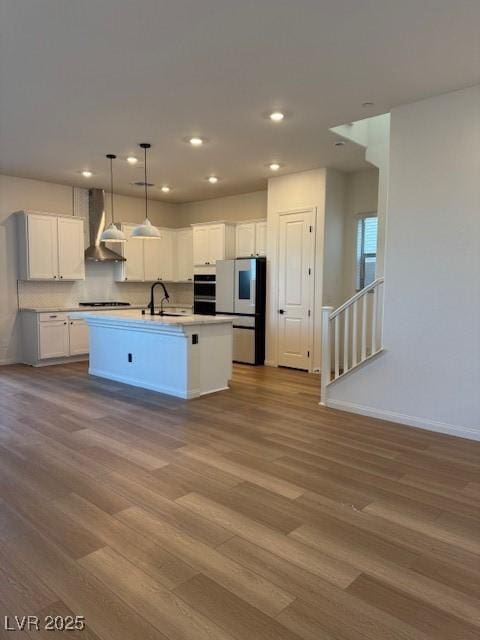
[112, 233]
[146, 231]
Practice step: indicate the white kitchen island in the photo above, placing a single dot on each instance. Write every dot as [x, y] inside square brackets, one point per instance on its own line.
[186, 356]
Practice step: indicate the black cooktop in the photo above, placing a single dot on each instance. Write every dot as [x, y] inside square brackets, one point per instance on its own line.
[104, 304]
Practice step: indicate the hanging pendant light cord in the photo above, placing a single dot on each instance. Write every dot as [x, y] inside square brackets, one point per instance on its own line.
[146, 188]
[111, 188]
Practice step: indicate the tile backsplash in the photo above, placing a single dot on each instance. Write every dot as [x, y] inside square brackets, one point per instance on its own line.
[99, 285]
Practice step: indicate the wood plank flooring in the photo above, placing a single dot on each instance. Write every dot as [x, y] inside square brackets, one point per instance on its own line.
[252, 514]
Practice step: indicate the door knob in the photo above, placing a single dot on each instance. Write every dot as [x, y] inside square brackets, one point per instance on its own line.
[281, 311]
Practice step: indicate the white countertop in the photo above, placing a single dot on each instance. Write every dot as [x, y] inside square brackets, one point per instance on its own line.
[100, 309]
[135, 317]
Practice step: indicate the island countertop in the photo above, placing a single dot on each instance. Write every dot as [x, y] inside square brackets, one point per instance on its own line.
[134, 317]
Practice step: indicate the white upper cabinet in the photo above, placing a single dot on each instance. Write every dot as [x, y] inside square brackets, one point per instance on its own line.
[212, 242]
[184, 255]
[245, 240]
[50, 247]
[216, 242]
[71, 249]
[133, 269]
[250, 239]
[166, 247]
[261, 238]
[42, 247]
[200, 245]
[146, 260]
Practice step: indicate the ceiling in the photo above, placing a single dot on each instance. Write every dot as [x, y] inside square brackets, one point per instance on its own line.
[82, 79]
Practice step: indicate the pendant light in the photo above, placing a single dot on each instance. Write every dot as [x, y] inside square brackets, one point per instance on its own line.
[112, 233]
[146, 231]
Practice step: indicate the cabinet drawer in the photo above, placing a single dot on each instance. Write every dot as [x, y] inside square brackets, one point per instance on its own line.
[54, 315]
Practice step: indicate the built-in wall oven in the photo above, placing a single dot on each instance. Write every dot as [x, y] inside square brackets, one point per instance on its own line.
[204, 294]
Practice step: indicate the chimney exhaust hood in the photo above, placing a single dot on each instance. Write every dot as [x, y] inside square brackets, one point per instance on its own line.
[97, 251]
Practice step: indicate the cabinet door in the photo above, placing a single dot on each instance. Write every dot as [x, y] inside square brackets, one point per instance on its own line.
[261, 238]
[216, 243]
[133, 250]
[166, 254]
[71, 259]
[184, 255]
[42, 247]
[245, 240]
[53, 339]
[200, 245]
[152, 257]
[78, 334]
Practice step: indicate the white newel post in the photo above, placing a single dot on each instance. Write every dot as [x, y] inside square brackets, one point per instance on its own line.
[326, 353]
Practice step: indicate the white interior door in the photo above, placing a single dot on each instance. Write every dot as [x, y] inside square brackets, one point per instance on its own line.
[295, 290]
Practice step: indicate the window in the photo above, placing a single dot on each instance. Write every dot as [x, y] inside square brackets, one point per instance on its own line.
[366, 251]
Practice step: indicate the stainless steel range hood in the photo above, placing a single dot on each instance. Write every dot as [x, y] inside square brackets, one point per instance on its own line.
[97, 251]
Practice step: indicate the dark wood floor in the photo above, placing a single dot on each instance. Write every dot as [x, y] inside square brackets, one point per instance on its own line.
[253, 514]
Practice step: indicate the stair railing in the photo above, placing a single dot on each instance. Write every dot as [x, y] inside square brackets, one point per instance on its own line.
[351, 334]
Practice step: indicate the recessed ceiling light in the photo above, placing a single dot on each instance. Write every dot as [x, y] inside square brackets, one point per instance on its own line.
[165, 188]
[212, 179]
[274, 166]
[339, 143]
[276, 116]
[86, 173]
[132, 160]
[196, 142]
[367, 104]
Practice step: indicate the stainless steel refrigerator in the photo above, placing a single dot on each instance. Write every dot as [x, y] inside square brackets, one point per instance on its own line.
[241, 291]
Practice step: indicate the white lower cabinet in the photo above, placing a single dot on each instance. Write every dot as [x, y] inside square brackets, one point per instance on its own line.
[50, 336]
[53, 339]
[78, 337]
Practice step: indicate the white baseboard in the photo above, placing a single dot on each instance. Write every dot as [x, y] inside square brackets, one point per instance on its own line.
[412, 421]
[270, 363]
[171, 391]
[8, 361]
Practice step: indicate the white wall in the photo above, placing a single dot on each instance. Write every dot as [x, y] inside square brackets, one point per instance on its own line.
[333, 252]
[302, 190]
[245, 206]
[20, 193]
[429, 375]
[361, 196]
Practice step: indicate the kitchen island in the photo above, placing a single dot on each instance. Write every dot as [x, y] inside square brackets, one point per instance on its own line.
[185, 356]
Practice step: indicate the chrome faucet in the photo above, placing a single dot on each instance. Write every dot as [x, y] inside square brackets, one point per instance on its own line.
[151, 304]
